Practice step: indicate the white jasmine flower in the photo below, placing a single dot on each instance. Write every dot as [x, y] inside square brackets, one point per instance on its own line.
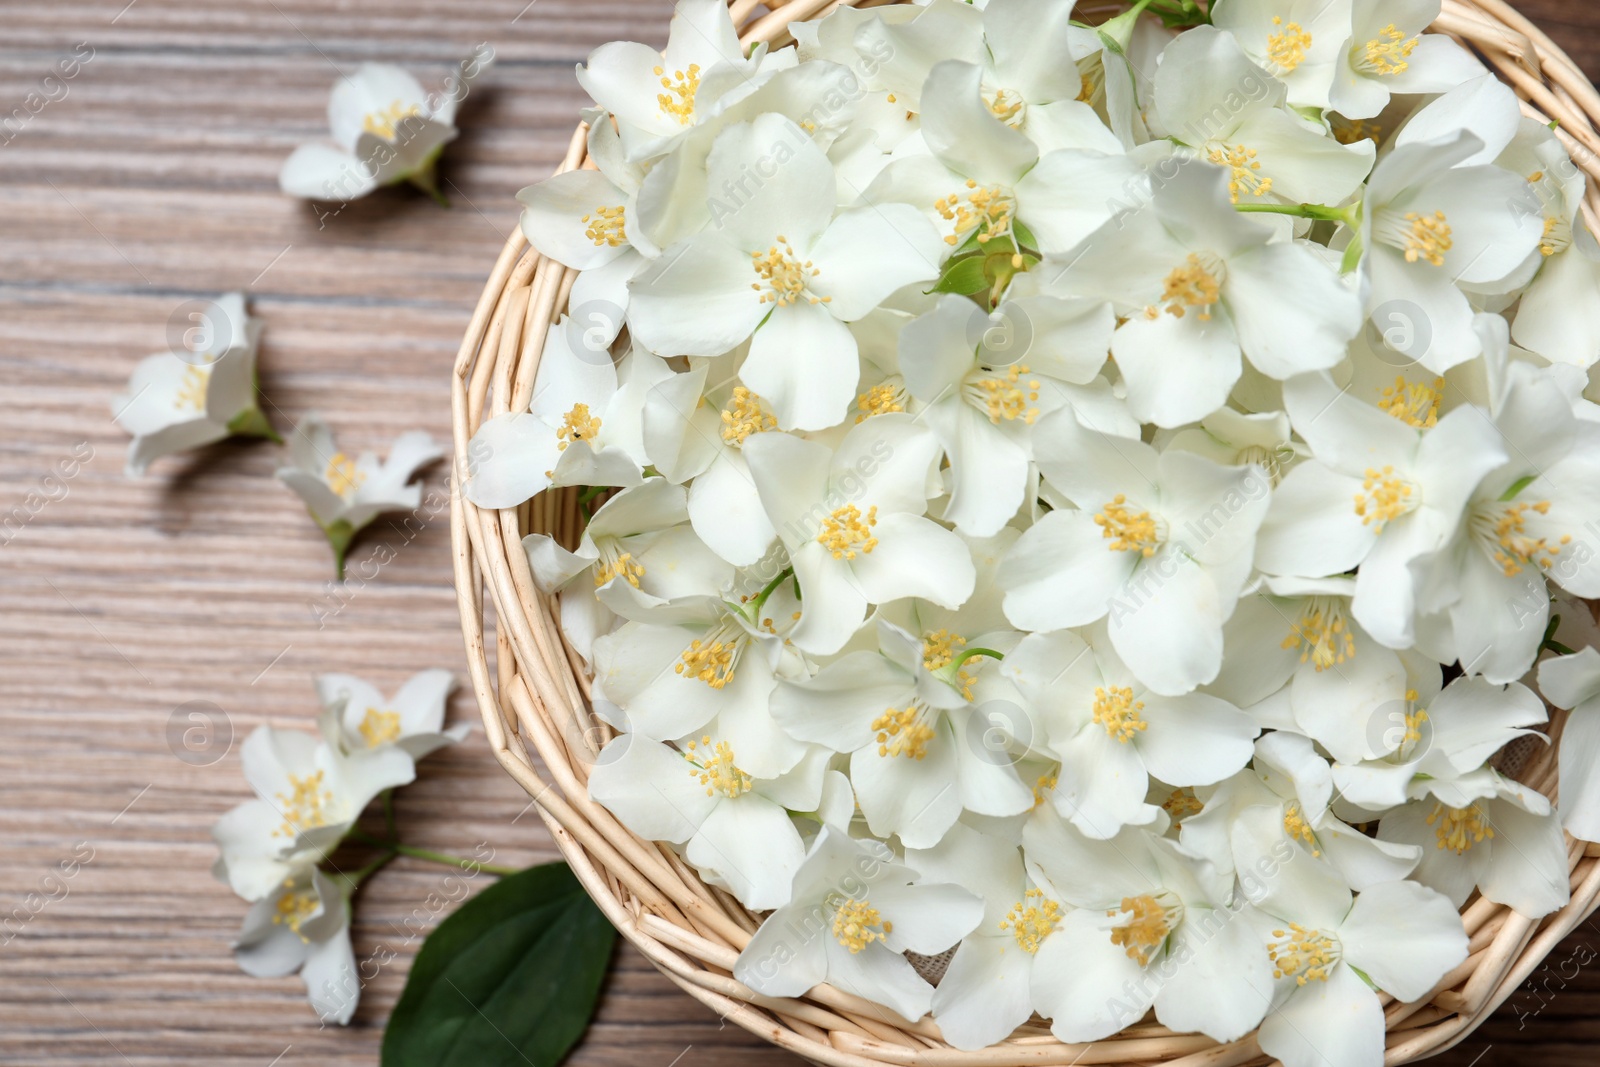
[1200, 285]
[1159, 542]
[304, 926]
[1388, 53]
[386, 129]
[1151, 925]
[783, 267]
[582, 427]
[1432, 225]
[356, 717]
[344, 495]
[1112, 734]
[1559, 314]
[853, 913]
[208, 392]
[1332, 951]
[1298, 42]
[902, 714]
[1211, 97]
[734, 824]
[982, 400]
[852, 521]
[308, 794]
[1573, 682]
[1384, 488]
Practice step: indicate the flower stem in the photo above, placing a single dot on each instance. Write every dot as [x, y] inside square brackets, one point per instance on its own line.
[760, 599]
[431, 856]
[971, 652]
[1345, 215]
[349, 883]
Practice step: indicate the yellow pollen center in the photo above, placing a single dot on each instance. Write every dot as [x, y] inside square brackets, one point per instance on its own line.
[1146, 928]
[678, 100]
[383, 123]
[987, 209]
[294, 908]
[380, 727]
[1296, 826]
[744, 416]
[1503, 530]
[1244, 171]
[624, 566]
[342, 475]
[1117, 711]
[882, 399]
[1304, 955]
[1386, 53]
[1180, 804]
[1384, 497]
[1287, 47]
[192, 390]
[939, 650]
[714, 766]
[1128, 532]
[1005, 396]
[1006, 106]
[1557, 235]
[847, 529]
[1032, 919]
[1413, 403]
[607, 226]
[709, 659]
[1353, 131]
[1044, 784]
[1414, 718]
[1458, 829]
[1322, 634]
[1193, 285]
[857, 924]
[578, 425]
[783, 277]
[903, 732]
[1429, 238]
[303, 806]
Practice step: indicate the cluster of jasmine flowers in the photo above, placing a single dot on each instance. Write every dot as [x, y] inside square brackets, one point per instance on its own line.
[1098, 499]
[309, 793]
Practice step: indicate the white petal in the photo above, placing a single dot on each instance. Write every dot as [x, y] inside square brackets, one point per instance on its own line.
[803, 363]
[1338, 1021]
[984, 994]
[1403, 936]
[1061, 573]
[510, 459]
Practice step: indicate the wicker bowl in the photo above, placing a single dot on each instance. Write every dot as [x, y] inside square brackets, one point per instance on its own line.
[535, 699]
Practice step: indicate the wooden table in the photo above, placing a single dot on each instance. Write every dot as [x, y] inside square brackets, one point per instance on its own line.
[149, 179]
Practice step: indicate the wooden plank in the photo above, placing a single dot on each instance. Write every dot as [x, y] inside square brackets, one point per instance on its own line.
[153, 181]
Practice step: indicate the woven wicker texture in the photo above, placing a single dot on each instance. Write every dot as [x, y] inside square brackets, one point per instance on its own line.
[535, 707]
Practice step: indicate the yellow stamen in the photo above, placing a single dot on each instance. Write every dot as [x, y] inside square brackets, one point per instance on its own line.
[709, 659]
[1004, 396]
[1384, 498]
[1149, 922]
[1459, 829]
[1044, 784]
[383, 123]
[1354, 131]
[1006, 106]
[1244, 172]
[192, 390]
[744, 416]
[303, 807]
[380, 727]
[578, 425]
[846, 530]
[903, 732]
[857, 924]
[342, 475]
[1118, 712]
[294, 908]
[1127, 531]
[1386, 53]
[939, 650]
[607, 226]
[783, 277]
[1413, 403]
[1193, 285]
[1296, 826]
[1287, 48]
[1322, 633]
[713, 765]
[1032, 919]
[1180, 804]
[1502, 528]
[1304, 955]
[882, 399]
[678, 100]
[1429, 238]
[623, 566]
[987, 209]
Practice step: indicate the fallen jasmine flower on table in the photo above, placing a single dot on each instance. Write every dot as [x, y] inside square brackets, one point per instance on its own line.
[356, 717]
[344, 495]
[177, 401]
[386, 129]
[304, 927]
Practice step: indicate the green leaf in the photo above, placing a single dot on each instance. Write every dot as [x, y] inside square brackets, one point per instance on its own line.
[510, 979]
[964, 276]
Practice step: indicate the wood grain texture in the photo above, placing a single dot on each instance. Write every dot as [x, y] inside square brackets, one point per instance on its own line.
[152, 181]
